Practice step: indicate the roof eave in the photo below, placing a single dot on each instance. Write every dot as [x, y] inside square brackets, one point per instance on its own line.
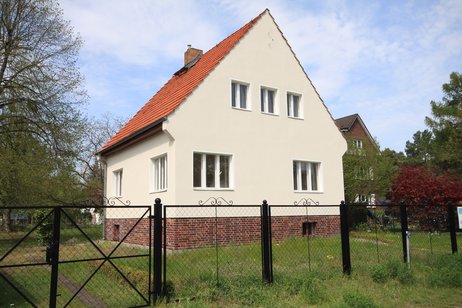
[135, 137]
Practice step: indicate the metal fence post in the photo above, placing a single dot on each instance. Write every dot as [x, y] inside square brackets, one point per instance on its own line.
[267, 274]
[345, 234]
[404, 229]
[157, 290]
[55, 257]
[452, 227]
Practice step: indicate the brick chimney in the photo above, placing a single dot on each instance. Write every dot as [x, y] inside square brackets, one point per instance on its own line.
[191, 53]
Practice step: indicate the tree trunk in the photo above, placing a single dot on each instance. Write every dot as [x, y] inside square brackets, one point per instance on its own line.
[6, 222]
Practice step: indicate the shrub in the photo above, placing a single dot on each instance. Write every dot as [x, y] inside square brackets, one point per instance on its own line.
[357, 215]
[45, 229]
[379, 273]
[357, 300]
[446, 271]
[393, 268]
[405, 275]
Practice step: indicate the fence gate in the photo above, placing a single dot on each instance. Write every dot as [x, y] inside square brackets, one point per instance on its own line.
[63, 256]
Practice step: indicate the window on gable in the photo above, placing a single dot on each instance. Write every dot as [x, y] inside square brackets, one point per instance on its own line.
[211, 171]
[306, 176]
[159, 173]
[267, 100]
[239, 95]
[293, 106]
[117, 175]
[358, 143]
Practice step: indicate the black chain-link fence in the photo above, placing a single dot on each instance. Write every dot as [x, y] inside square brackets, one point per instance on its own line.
[72, 256]
[223, 246]
[103, 256]
[305, 238]
[376, 233]
[210, 246]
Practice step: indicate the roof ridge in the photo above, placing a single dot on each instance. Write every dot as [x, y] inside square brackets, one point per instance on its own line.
[178, 88]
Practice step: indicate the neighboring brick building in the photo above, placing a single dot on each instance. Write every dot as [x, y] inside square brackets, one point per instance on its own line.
[361, 145]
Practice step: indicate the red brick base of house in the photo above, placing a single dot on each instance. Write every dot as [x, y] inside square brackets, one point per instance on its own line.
[189, 233]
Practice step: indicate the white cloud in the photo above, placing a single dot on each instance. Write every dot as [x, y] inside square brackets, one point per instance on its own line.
[139, 32]
[384, 60]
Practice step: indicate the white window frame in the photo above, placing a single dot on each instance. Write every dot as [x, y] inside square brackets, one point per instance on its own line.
[248, 106]
[159, 174]
[297, 185]
[366, 199]
[358, 143]
[264, 102]
[290, 105]
[216, 171]
[117, 176]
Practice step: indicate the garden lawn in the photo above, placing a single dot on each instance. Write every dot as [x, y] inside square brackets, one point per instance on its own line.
[307, 272]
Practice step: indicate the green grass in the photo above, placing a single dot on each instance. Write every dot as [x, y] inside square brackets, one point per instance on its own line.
[106, 286]
[307, 272]
[302, 279]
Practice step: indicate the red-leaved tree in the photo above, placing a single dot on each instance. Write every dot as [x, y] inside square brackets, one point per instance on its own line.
[426, 194]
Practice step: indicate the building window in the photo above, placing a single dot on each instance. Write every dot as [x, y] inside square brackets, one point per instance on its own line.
[364, 173]
[293, 106]
[267, 100]
[308, 228]
[118, 182]
[365, 199]
[358, 143]
[211, 171]
[159, 174]
[239, 97]
[306, 176]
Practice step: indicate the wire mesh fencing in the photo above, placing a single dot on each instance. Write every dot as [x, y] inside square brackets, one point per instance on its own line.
[62, 256]
[104, 256]
[304, 239]
[397, 232]
[428, 231]
[210, 246]
[375, 234]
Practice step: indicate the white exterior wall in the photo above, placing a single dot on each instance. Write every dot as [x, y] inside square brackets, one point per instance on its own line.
[135, 161]
[263, 146]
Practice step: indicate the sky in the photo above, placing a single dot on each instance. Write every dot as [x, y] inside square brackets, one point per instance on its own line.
[385, 60]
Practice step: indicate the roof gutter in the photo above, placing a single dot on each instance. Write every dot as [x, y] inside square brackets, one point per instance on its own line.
[135, 137]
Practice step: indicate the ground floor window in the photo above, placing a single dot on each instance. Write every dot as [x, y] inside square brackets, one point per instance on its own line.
[211, 171]
[159, 169]
[117, 175]
[306, 176]
[308, 228]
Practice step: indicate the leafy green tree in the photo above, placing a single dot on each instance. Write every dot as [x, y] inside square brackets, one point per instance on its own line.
[369, 172]
[421, 149]
[40, 97]
[446, 126]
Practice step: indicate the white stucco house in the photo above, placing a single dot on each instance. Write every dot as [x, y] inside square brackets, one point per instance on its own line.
[242, 121]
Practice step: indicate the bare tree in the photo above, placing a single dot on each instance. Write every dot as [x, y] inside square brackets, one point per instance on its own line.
[89, 169]
[40, 85]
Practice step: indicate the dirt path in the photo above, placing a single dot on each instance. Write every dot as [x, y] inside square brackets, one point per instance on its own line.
[84, 296]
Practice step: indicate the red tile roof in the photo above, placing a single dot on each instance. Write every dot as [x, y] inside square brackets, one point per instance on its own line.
[177, 89]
